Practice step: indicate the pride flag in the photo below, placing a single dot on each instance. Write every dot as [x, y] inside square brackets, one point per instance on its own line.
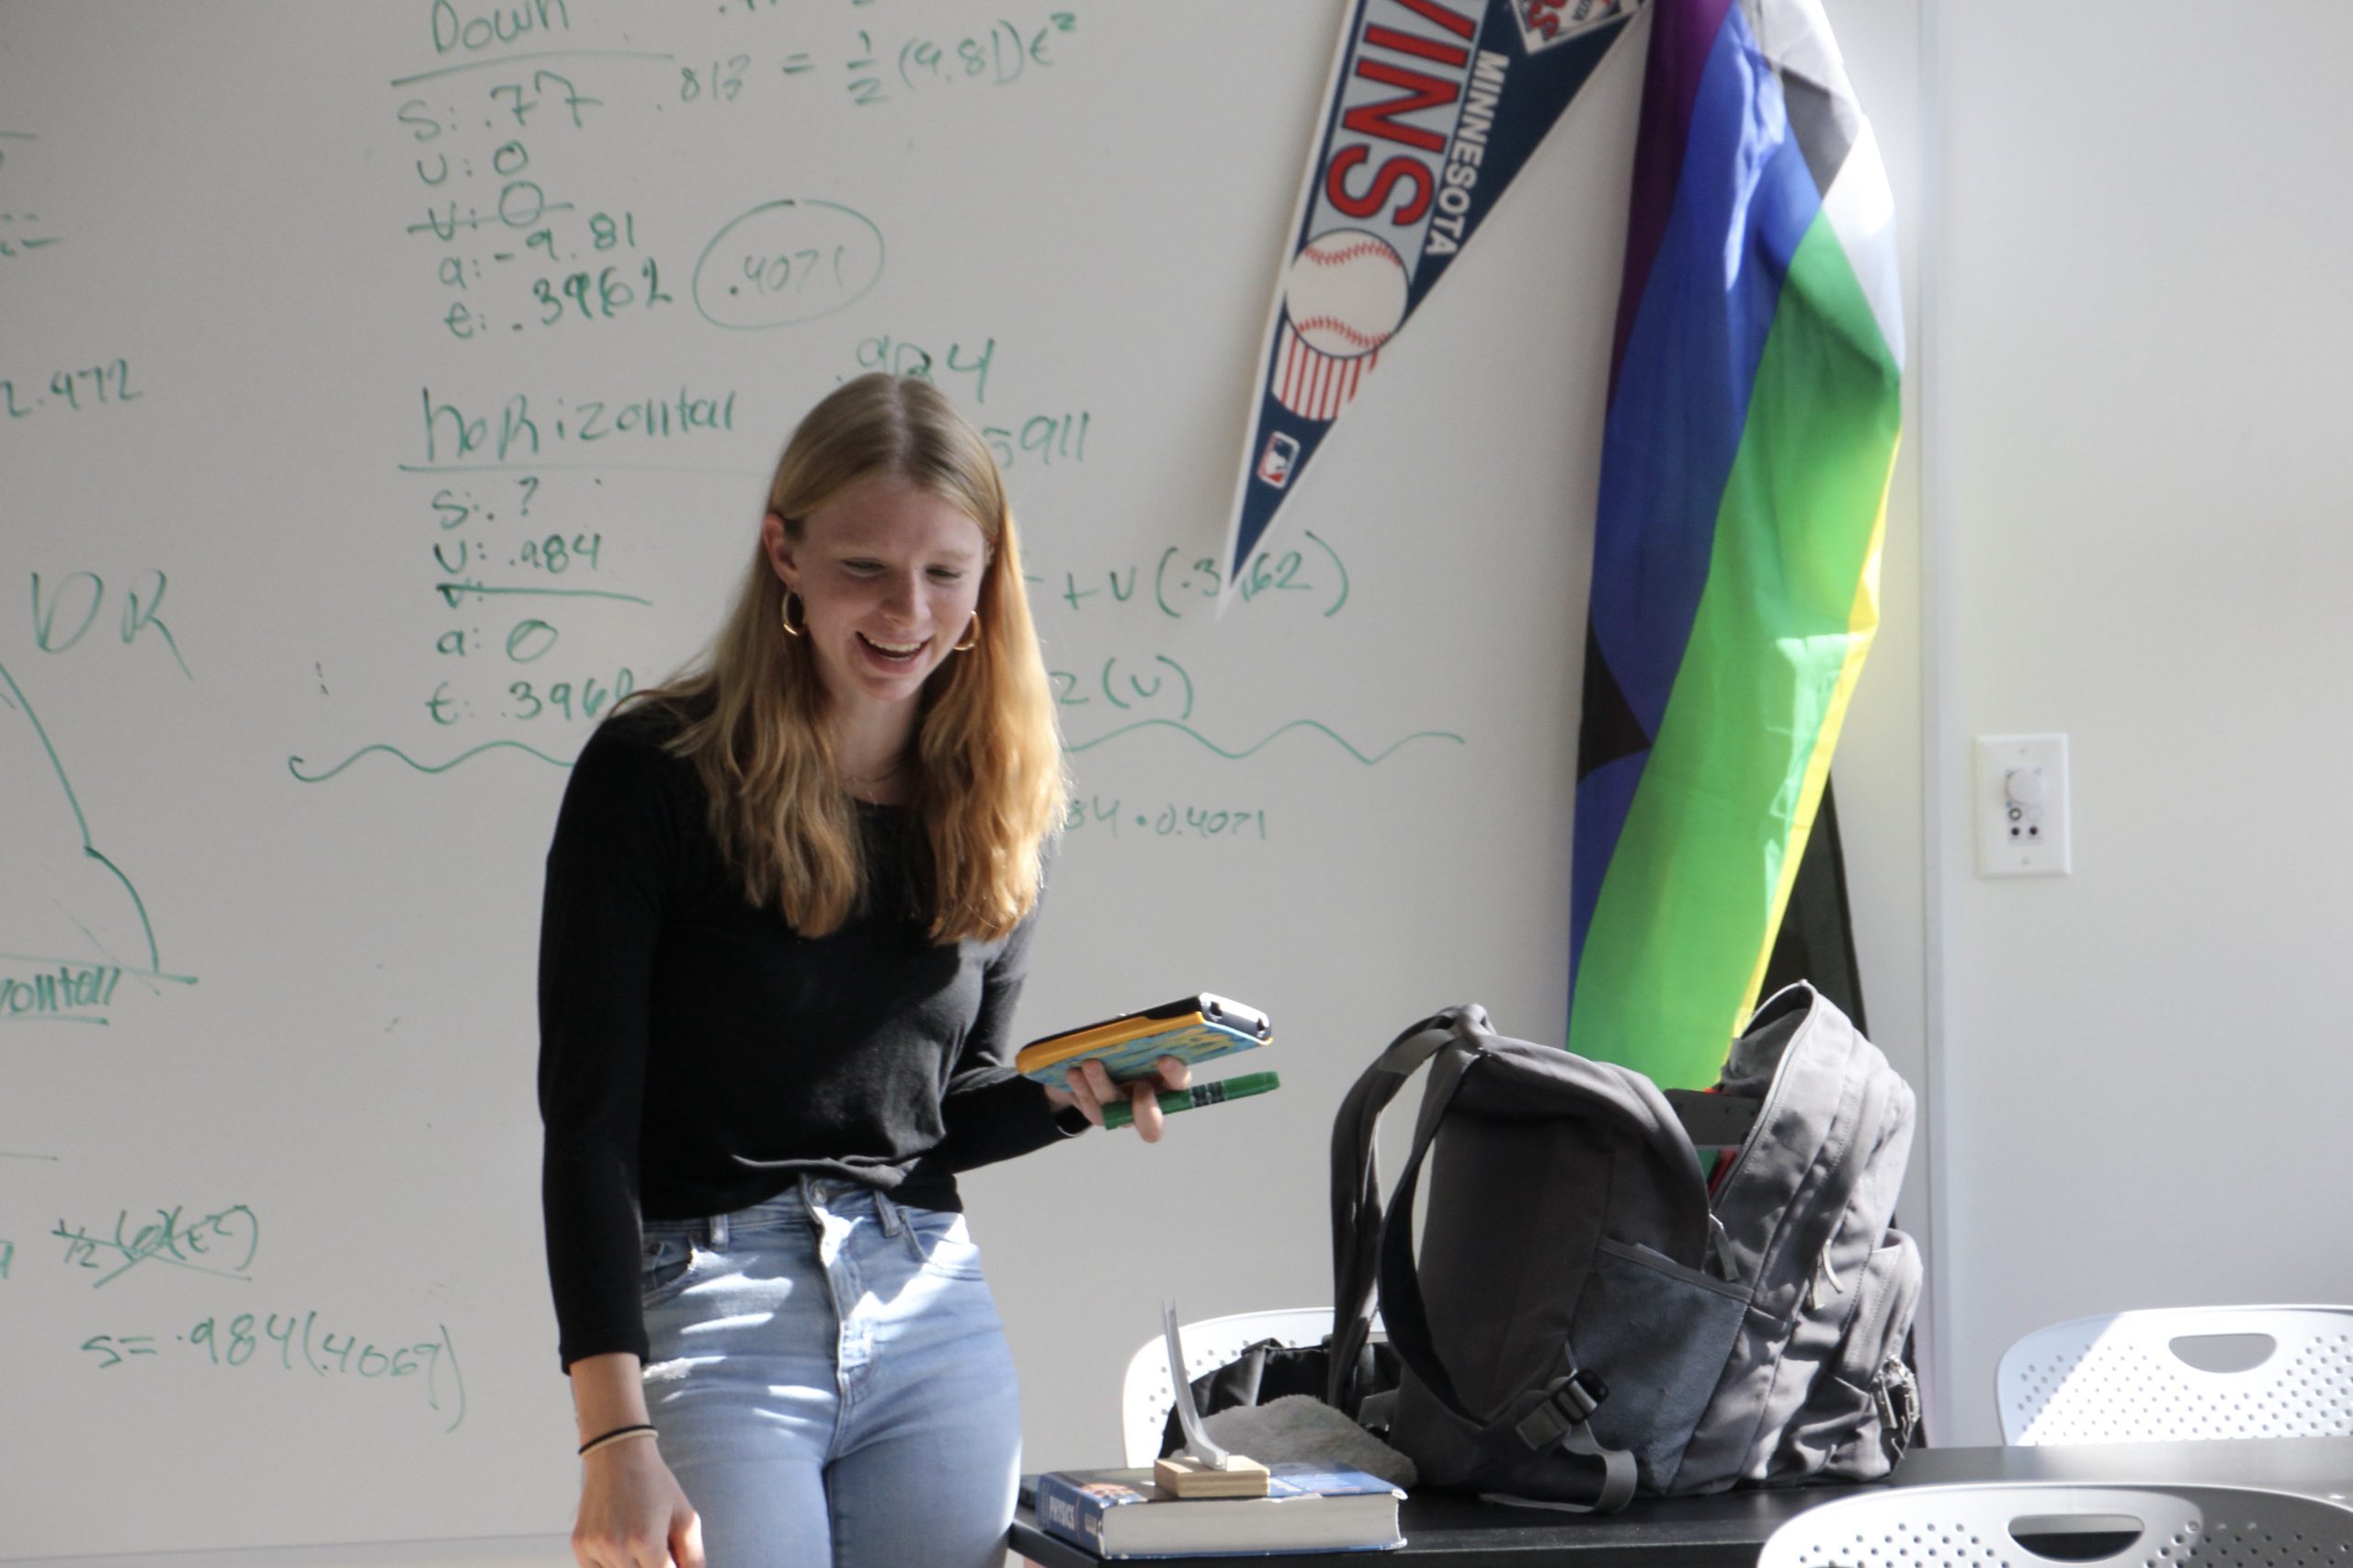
[1753, 413]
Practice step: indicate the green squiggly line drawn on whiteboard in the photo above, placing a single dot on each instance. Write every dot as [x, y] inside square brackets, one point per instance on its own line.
[1337, 739]
[294, 764]
[17, 699]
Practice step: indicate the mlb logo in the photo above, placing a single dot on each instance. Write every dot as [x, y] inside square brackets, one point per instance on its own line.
[1274, 463]
[1543, 23]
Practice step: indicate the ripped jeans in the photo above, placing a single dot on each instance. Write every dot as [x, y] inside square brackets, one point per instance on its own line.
[831, 1384]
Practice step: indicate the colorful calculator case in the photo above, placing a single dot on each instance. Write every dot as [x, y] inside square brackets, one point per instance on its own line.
[1193, 1028]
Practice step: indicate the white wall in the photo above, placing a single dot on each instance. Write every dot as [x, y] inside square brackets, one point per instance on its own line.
[1877, 773]
[2140, 357]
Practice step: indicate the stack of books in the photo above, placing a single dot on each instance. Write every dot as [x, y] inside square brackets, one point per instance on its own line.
[1120, 1513]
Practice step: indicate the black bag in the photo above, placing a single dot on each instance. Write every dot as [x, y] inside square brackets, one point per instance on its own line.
[1587, 1315]
[1268, 1370]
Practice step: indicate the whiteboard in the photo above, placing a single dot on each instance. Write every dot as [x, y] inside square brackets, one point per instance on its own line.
[389, 385]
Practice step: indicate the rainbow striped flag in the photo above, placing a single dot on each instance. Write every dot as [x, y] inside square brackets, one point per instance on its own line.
[1754, 414]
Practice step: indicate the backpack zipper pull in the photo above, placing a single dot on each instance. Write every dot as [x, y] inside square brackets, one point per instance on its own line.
[1813, 1292]
[1720, 1248]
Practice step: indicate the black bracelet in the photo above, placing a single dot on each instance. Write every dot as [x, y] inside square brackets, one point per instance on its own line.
[617, 1432]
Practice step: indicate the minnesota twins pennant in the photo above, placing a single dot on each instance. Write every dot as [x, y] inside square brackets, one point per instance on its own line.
[1433, 108]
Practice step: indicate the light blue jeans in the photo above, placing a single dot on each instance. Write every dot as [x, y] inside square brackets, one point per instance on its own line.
[831, 1384]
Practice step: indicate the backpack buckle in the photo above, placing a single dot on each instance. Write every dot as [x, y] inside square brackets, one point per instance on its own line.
[1897, 1395]
[1568, 1402]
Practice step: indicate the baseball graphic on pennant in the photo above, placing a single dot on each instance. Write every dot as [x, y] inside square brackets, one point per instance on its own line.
[1345, 292]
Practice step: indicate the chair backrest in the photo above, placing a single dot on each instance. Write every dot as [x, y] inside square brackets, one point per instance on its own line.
[1980, 1526]
[2119, 1379]
[1146, 1396]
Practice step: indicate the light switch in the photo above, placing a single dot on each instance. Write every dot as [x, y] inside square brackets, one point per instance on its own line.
[2022, 806]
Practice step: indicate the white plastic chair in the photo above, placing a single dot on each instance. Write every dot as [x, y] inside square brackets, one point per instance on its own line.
[1978, 1524]
[2119, 1379]
[1146, 1396]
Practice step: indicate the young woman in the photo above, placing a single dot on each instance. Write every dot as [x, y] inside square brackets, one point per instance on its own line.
[789, 910]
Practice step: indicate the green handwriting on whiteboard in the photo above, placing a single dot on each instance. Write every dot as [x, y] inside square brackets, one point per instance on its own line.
[454, 593]
[459, 437]
[1313, 579]
[1311, 726]
[21, 234]
[297, 1342]
[1167, 820]
[882, 67]
[554, 555]
[295, 764]
[64, 614]
[785, 262]
[901, 357]
[70, 391]
[222, 1243]
[457, 32]
[605, 294]
[13, 698]
[74, 994]
[1046, 438]
[526, 700]
[1125, 687]
[1003, 55]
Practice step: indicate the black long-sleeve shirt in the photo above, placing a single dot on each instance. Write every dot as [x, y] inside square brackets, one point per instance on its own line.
[697, 1056]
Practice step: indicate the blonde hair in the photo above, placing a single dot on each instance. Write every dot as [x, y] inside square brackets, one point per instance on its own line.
[990, 788]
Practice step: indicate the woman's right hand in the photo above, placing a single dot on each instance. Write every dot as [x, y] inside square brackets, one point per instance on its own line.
[632, 1511]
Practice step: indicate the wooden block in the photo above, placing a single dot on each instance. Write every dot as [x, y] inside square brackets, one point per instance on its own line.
[1182, 1477]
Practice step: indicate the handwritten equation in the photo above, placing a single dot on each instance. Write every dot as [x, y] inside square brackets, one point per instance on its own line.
[1167, 820]
[505, 580]
[876, 67]
[1128, 695]
[509, 574]
[510, 253]
[222, 1243]
[1178, 584]
[517, 244]
[292, 1342]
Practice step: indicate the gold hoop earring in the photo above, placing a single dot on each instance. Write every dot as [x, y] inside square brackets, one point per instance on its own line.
[971, 637]
[784, 615]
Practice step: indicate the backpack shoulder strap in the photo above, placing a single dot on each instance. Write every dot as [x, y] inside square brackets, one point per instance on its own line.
[1355, 1190]
[1556, 1414]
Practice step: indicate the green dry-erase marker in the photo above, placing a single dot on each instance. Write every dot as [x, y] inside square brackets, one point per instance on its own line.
[1119, 1113]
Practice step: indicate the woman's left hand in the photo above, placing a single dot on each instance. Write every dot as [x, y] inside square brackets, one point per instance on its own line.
[1091, 1088]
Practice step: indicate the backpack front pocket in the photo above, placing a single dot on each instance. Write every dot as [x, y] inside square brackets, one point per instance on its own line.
[1844, 1427]
[1657, 1332]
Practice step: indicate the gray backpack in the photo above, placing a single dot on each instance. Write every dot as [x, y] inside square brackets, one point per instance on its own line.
[1587, 1319]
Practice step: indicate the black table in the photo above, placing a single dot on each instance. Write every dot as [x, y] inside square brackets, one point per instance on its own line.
[1725, 1531]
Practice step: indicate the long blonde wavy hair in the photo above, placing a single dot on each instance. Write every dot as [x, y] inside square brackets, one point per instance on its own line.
[989, 788]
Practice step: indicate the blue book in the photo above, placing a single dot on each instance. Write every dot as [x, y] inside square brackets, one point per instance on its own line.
[1120, 1513]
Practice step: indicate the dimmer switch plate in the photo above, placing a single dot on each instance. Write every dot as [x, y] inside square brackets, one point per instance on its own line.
[2022, 829]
